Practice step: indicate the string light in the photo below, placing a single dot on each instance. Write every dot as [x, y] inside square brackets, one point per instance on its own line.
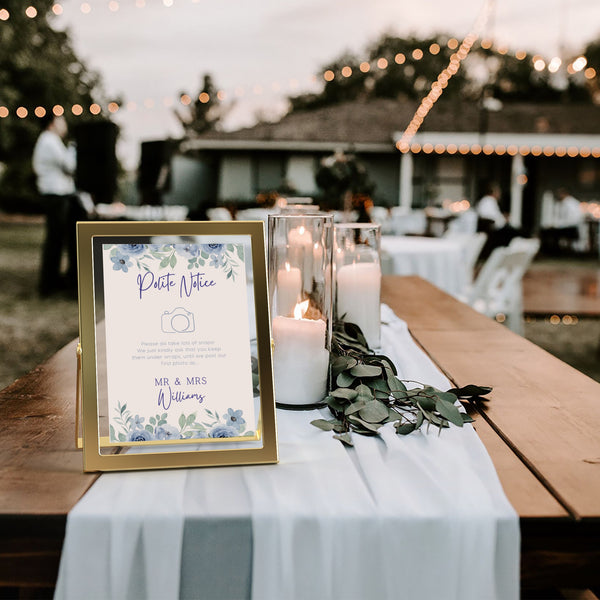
[4, 14]
[435, 92]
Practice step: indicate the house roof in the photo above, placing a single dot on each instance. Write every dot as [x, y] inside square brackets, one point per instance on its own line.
[375, 124]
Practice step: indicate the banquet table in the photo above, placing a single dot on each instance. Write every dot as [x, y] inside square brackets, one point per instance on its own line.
[540, 429]
[441, 261]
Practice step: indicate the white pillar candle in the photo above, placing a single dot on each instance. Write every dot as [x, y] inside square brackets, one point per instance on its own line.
[289, 286]
[300, 360]
[358, 298]
[300, 243]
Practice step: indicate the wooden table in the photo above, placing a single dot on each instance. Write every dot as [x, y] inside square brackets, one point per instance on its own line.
[541, 428]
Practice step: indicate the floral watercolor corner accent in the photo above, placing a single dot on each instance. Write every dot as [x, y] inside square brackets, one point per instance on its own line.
[226, 257]
[129, 428]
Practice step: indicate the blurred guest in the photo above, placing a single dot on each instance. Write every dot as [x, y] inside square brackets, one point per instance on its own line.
[488, 207]
[566, 219]
[54, 165]
[492, 221]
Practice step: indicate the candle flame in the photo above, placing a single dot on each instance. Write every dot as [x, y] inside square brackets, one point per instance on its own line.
[287, 267]
[301, 230]
[300, 309]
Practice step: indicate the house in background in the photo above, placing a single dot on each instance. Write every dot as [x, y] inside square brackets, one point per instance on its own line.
[530, 149]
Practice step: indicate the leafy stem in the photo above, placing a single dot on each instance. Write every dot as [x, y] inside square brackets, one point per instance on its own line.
[368, 393]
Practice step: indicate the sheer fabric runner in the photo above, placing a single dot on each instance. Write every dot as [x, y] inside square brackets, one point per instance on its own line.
[421, 516]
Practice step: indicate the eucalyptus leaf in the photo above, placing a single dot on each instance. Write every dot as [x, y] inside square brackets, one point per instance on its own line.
[450, 412]
[471, 390]
[447, 397]
[344, 393]
[344, 438]
[374, 412]
[365, 424]
[344, 379]
[426, 403]
[354, 407]
[364, 392]
[323, 424]
[467, 418]
[365, 371]
[404, 428]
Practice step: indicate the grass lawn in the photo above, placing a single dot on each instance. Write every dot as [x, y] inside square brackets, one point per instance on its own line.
[32, 329]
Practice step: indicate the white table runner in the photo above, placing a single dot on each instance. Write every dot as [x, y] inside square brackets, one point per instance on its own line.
[420, 516]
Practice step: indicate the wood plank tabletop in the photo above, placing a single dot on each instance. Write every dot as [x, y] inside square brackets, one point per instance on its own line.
[547, 412]
[540, 429]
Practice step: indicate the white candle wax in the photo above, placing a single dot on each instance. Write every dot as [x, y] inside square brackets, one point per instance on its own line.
[300, 242]
[289, 286]
[300, 360]
[358, 298]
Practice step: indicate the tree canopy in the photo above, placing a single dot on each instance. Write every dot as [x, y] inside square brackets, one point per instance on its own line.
[396, 67]
[205, 112]
[38, 67]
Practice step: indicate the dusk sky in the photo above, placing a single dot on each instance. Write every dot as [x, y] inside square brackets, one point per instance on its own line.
[260, 51]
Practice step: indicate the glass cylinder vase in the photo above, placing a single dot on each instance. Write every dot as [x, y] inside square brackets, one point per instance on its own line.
[301, 302]
[358, 278]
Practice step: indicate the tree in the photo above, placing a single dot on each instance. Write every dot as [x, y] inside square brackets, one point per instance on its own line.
[407, 67]
[38, 67]
[205, 113]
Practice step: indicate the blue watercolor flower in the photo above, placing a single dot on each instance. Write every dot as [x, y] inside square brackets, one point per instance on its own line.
[187, 250]
[138, 422]
[216, 249]
[223, 431]
[167, 432]
[139, 435]
[216, 260]
[233, 418]
[132, 249]
[200, 434]
[121, 262]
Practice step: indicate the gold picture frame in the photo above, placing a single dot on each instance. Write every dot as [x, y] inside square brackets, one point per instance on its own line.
[113, 266]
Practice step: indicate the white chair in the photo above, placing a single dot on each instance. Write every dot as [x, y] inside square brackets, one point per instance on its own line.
[465, 223]
[472, 244]
[408, 221]
[381, 215]
[498, 290]
[219, 213]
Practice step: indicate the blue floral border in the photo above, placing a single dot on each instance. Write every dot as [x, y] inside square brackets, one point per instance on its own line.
[226, 257]
[135, 429]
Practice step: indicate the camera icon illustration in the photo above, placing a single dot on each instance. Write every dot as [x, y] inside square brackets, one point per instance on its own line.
[178, 320]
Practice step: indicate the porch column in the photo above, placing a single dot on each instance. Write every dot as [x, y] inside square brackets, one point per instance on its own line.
[406, 178]
[516, 191]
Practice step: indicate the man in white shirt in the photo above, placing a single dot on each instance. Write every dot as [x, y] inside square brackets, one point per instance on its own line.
[54, 165]
[566, 219]
[492, 221]
[488, 207]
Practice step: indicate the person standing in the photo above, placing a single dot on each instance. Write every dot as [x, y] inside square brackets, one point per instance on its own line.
[54, 166]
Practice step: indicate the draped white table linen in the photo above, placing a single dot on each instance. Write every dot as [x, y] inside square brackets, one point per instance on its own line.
[420, 516]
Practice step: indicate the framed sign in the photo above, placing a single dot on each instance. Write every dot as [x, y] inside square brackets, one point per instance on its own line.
[175, 345]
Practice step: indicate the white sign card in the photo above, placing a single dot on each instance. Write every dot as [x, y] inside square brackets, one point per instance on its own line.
[178, 357]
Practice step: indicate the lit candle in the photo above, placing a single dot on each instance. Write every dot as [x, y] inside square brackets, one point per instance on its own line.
[289, 286]
[300, 359]
[358, 298]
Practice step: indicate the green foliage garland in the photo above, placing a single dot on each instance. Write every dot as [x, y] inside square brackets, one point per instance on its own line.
[369, 393]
